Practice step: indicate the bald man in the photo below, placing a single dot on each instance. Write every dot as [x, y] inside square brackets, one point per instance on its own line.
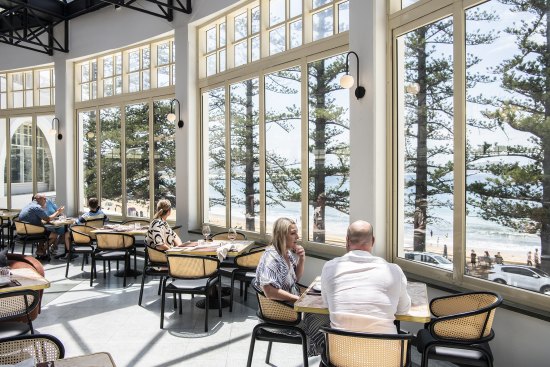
[364, 292]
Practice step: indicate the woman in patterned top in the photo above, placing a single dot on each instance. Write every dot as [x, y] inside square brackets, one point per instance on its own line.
[160, 235]
[278, 273]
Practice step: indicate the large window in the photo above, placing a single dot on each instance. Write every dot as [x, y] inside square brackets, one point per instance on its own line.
[471, 145]
[27, 88]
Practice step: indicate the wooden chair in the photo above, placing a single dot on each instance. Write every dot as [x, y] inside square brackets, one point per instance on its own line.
[82, 242]
[41, 347]
[29, 233]
[96, 223]
[112, 246]
[223, 236]
[244, 272]
[461, 330]
[155, 264]
[192, 275]
[276, 315]
[14, 305]
[353, 349]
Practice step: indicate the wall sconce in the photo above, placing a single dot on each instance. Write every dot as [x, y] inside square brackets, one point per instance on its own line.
[347, 80]
[172, 116]
[55, 128]
[412, 88]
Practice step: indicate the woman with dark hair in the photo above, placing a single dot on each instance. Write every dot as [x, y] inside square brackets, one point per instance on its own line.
[160, 235]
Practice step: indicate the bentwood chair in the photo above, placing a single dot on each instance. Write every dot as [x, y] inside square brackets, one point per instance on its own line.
[96, 223]
[353, 349]
[244, 272]
[42, 347]
[112, 246]
[14, 305]
[155, 264]
[192, 275]
[223, 236]
[280, 316]
[29, 233]
[461, 330]
[82, 242]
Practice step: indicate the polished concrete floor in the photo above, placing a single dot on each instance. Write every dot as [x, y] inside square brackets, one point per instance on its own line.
[107, 318]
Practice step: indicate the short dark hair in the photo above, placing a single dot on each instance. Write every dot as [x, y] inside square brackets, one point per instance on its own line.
[93, 203]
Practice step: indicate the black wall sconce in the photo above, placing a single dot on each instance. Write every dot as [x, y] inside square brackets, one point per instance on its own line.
[55, 128]
[172, 116]
[347, 80]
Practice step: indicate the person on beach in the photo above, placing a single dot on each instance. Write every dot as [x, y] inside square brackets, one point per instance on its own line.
[498, 258]
[473, 258]
[529, 259]
[537, 258]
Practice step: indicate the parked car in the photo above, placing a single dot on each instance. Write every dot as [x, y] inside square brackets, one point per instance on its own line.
[430, 258]
[521, 276]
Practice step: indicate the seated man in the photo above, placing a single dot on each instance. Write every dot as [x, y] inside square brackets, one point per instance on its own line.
[363, 292]
[34, 213]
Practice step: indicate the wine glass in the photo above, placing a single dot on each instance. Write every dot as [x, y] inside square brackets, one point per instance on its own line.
[206, 231]
[231, 234]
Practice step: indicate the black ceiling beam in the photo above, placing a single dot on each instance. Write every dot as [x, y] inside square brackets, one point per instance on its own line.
[55, 9]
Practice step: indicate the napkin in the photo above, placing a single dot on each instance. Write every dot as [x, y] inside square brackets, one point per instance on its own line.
[222, 251]
[25, 363]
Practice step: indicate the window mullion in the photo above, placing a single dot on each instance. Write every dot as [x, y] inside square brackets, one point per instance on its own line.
[262, 142]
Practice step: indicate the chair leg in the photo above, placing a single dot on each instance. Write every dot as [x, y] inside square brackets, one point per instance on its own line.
[181, 308]
[83, 259]
[126, 263]
[252, 343]
[92, 271]
[219, 296]
[68, 261]
[162, 304]
[246, 284]
[232, 291]
[304, 349]
[206, 304]
[268, 355]
[142, 285]
[160, 283]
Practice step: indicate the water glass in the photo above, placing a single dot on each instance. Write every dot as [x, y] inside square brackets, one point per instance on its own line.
[206, 231]
[231, 234]
[5, 274]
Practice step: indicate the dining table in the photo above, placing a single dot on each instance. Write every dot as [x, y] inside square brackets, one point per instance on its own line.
[311, 301]
[25, 279]
[101, 359]
[60, 222]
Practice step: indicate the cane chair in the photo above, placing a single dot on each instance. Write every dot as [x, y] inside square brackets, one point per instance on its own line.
[112, 246]
[41, 347]
[461, 330]
[155, 264]
[244, 272]
[140, 242]
[4, 225]
[192, 275]
[29, 233]
[223, 236]
[354, 349]
[14, 305]
[279, 316]
[82, 242]
[227, 262]
[96, 223]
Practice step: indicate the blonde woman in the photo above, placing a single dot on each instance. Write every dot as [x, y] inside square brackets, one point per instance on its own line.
[278, 273]
[160, 235]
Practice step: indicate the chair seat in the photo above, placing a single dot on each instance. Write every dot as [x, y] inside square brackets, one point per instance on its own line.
[10, 329]
[82, 249]
[455, 354]
[106, 255]
[264, 334]
[189, 284]
[156, 270]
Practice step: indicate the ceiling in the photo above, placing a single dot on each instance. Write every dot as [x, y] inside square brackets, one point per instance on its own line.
[29, 23]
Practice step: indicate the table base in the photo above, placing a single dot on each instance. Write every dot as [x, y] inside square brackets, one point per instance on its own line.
[129, 273]
[212, 303]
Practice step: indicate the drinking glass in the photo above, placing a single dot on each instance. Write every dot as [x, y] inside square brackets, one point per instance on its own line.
[231, 234]
[206, 231]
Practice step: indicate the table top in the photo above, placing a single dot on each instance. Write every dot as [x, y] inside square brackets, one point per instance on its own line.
[90, 360]
[8, 214]
[419, 311]
[209, 248]
[28, 278]
[120, 228]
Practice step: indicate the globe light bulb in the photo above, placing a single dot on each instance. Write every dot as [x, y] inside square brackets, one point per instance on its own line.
[52, 131]
[346, 81]
[171, 117]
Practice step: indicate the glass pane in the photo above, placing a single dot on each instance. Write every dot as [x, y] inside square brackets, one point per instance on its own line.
[245, 155]
[110, 161]
[164, 146]
[213, 112]
[45, 156]
[118, 63]
[29, 102]
[133, 60]
[211, 65]
[211, 39]
[108, 87]
[44, 78]
[3, 164]
[163, 76]
[329, 151]
[93, 90]
[3, 83]
[295, 8]
[222, 60]
[84, 92]
[255, 48]
[118, 85]
[163, 54]
[88, 157]
[133, 82]
[145, 58]
[28, 80]
[240, 54]
[283, 146]
[241, 26]
[17, 81]
[508, 220]
[21, 161]
[426, 154]
[222, 34]
[318, 3]
[296, 34]
[3, 100]
[255, 14]
[277, 40]
[343, 17]
[146, 80]
[137, 160]
[405, 3]
[44, 97]
[322, 24]
[277, 10]
[108, 67]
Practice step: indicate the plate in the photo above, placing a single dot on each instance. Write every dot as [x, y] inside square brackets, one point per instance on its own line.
[317, 287]
[4, 281]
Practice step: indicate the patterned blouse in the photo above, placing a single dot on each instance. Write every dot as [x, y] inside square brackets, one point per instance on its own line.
[274, 270]
[160, 233]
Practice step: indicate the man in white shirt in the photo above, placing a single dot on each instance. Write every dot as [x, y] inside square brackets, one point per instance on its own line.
[364, 292]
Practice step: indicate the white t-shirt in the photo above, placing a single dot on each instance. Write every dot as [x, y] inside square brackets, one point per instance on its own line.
[364, 292]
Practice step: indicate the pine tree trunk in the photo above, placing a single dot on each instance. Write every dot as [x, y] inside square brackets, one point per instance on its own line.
[319, 151]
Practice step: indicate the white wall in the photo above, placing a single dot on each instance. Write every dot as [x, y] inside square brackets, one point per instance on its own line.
[520, 340]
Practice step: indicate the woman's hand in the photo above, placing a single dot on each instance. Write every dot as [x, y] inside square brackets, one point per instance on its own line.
[299, 250]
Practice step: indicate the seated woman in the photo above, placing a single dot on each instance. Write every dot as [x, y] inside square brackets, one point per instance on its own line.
[160, 235]
[94, 212]
[278, 273]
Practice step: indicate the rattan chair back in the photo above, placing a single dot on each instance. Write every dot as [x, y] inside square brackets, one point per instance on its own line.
[249, 260]
[464, 317]
[41, 347]
[17, 304]
[114, 241]
[96, 223]
[224, 236]
[156, 256]
[192, 267]
[25, 228]
[276, 311]
[79, 235]
[141, 222]
[350, 349]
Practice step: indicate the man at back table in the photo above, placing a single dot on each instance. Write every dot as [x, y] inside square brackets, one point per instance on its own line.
[364, 292]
